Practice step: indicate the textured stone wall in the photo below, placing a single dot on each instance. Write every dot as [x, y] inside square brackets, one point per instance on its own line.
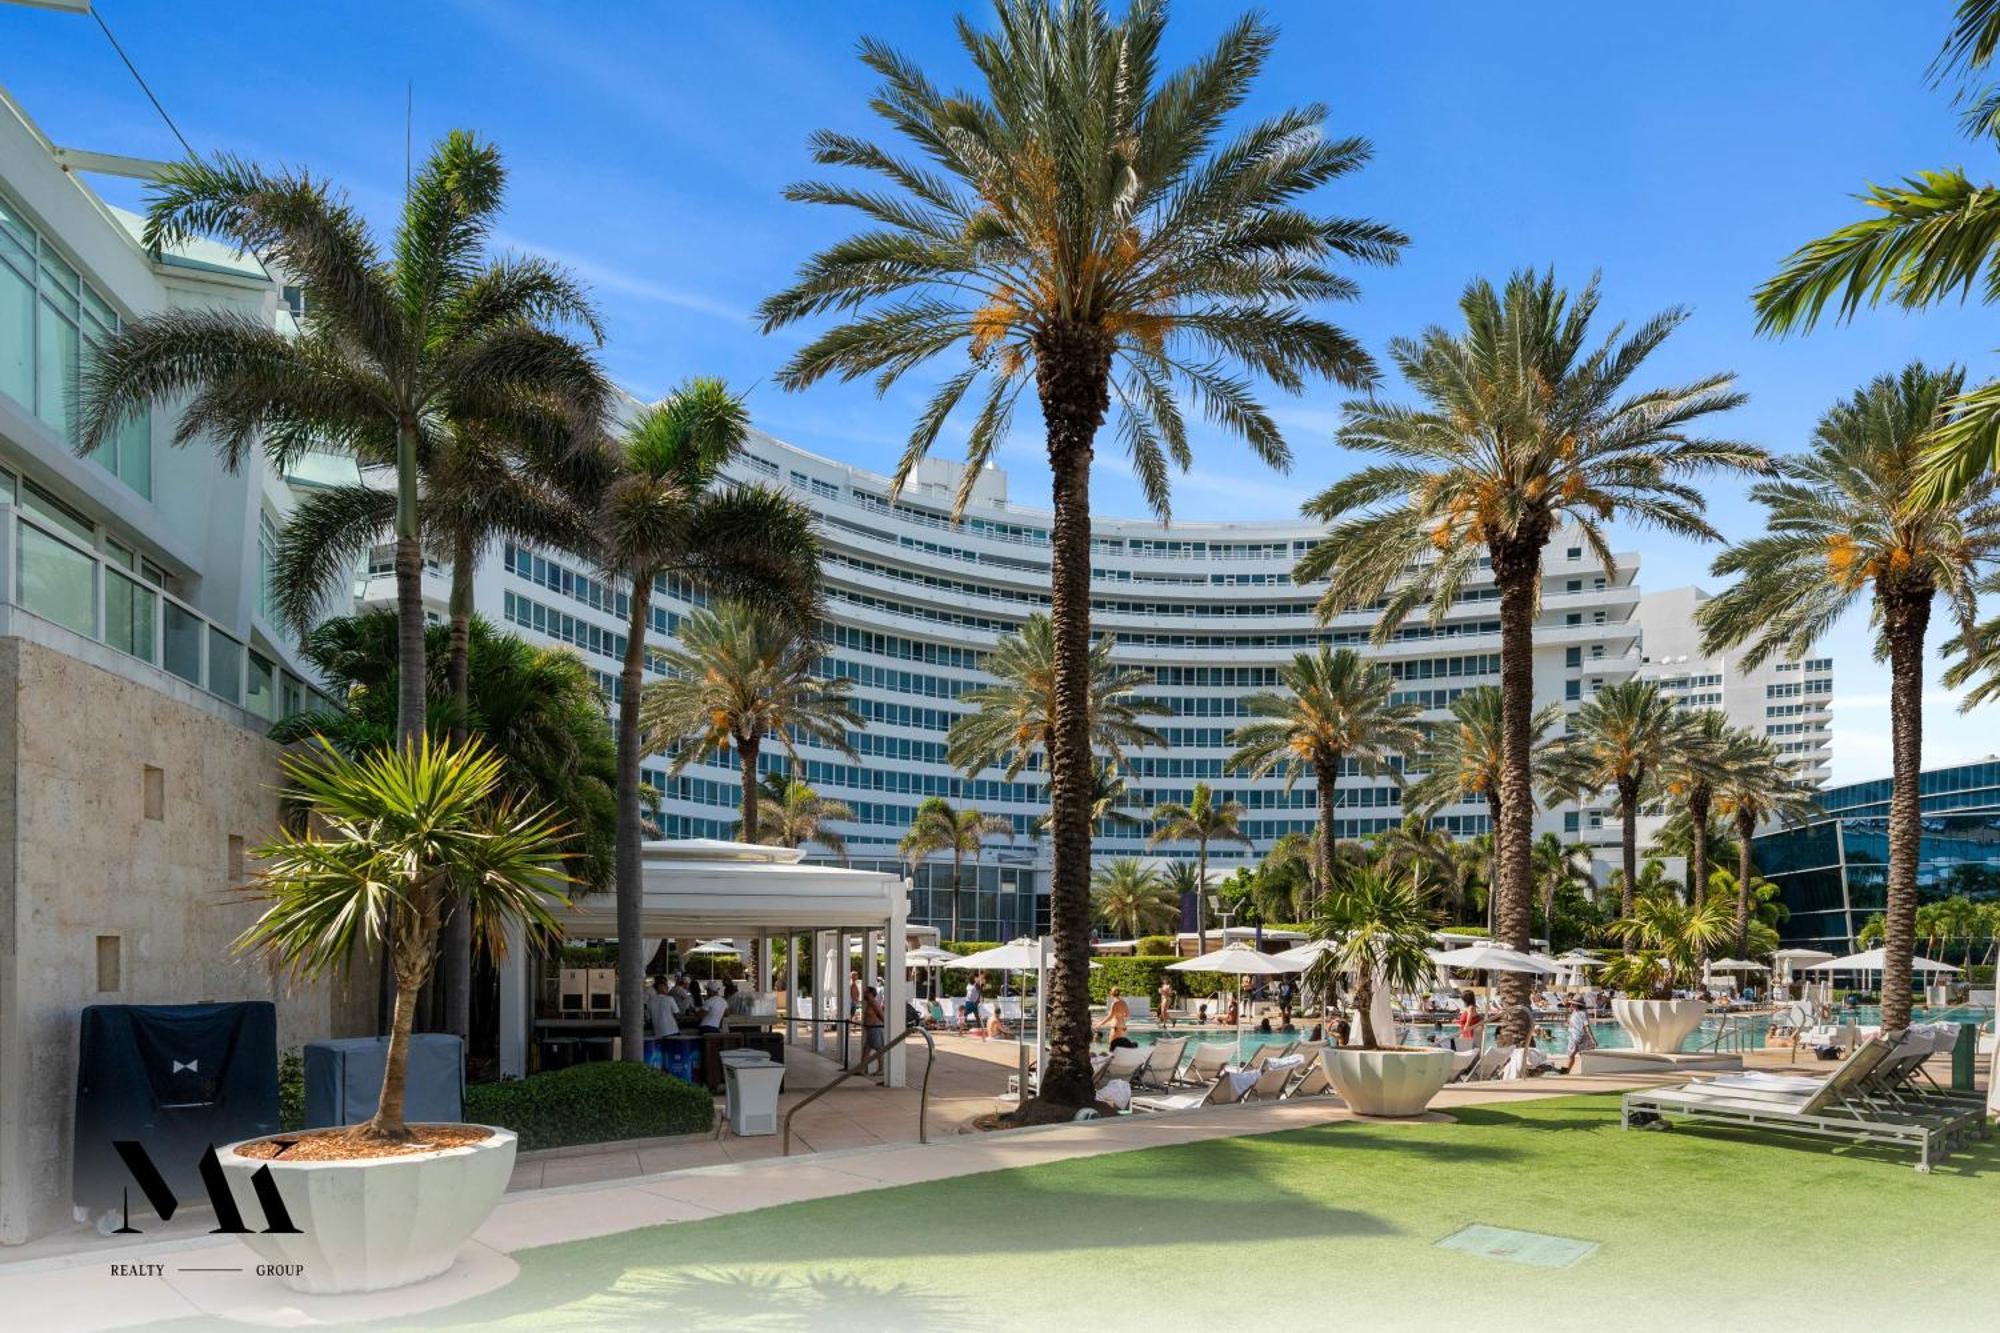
[82, 858]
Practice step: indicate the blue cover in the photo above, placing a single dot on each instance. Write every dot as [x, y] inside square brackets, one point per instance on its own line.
[343, 1079]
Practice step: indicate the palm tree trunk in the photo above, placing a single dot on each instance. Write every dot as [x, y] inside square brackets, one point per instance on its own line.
[1364, 1002]
[1628, 844]
[1906, 614]
[409, 592]
[1517, 570]
[455, 976]
[1746, 824]
[1698, 802]
[626, 870]
[1073, 367]
[955, 927]
[1201, 895]
[1326, 776]
[746, 751]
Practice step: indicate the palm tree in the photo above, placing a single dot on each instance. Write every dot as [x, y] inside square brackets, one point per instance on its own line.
[1559, 866]
[424, 827]
[1463, 761]
[1666, 941]
[1082, 224]
[1108, 794]
[1760, 786]
[1201, 820]
[1676, 836]
[393, 354]
[941, 827]
[1703, 749]
[661, 514]
[1011, 725]
[1130, 897]
[791, 814]
[1381, 932]
[1618, 741]
[1337, 709]
[739, 676]
[1933, 238]
[1526, 425]
[1849, 519]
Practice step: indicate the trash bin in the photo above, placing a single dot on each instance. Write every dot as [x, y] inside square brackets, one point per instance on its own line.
[752, 1081]
[1964, 1057]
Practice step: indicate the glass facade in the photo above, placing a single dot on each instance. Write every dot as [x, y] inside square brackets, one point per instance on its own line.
[49, 318]
[1832, 869]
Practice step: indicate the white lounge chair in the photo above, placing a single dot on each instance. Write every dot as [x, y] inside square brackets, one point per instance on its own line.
[1224, 1091]
[1125, 1061]
[1270, 1050]
[1316, 1083]
[1271, 1081]
[1207, 1062]
[1163, 1061]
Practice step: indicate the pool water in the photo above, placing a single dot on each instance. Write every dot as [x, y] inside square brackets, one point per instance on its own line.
[1745, 1031]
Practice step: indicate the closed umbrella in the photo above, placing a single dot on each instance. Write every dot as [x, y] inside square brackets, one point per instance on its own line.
[1240, 961]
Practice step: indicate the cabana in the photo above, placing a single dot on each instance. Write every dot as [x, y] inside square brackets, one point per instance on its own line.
[709, 889]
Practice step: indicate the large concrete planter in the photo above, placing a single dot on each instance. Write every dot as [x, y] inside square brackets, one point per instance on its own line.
[1658, 1026]
[1398, 1082]
[374, 1224]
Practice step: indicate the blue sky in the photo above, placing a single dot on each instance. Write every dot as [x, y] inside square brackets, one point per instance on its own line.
[1681, 150]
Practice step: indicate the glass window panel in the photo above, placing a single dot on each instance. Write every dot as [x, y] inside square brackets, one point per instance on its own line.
[292, 696]
[55, 580]
[94, 306]
[17, 337]
[128, 615]
[181, 653]
[263, 695]
[225, 666]
[133, 450]
[17, 243]
[58, 277]
[55, 369]
[45, 506]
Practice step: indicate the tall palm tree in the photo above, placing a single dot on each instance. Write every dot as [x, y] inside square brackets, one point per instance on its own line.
[662, 513]
[1526, 425]
[1106, 232]
[1704, 748]
[1201, 820]
[940, 826]
[739, 676]
[1129, 896]
[1676, 836]
[1934, 237]
[1559, 866]
[1336, 709]
[1618, 741]
[1463, 761]
[391, 350]
[791, 814]
[1760, 786]
[1851, 519]
[1012, 722]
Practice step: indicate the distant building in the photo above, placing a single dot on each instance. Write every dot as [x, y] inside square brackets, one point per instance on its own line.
[1831, 869]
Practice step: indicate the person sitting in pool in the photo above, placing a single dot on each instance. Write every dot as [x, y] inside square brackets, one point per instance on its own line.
[1318, 1033]
[1264, 1026]
[1232, 1014]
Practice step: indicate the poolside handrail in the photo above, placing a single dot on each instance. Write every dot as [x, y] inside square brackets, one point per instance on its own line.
[923, 1088]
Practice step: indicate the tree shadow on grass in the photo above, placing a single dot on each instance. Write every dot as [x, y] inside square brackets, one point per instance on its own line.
[749, 1299]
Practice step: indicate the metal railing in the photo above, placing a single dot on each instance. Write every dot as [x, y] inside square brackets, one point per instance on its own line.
[923, 1088]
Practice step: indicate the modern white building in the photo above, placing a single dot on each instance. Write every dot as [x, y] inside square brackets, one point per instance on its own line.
[139, 669]
[1209, 610]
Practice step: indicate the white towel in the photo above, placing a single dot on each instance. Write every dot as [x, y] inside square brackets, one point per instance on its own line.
[1116, 1092]
[1241, 1080]
[1285, 1062]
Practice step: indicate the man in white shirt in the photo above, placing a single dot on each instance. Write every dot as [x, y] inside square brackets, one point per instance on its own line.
[661, 1009]
[682, 996]
[713, 1009]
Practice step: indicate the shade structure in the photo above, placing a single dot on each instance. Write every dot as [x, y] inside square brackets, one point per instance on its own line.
[1020, 955]
[720, 948]
[1875, 960]
[1239, 960]
[1736, 965]
[929, 957]
[1493, 958]
[1304, 956]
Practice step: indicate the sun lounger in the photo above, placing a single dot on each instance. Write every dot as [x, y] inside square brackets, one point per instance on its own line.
[1269, 1051]
[1487, 1064]
[1271, 1081]
[1125, 1061]
[1462, 1063]
[1163, 1061]
[1840, 1106]
[1224, 1091]
[1315, 1083]
[1207, 1062]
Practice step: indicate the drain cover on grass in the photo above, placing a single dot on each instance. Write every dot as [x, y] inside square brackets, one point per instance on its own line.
[1518, 1247]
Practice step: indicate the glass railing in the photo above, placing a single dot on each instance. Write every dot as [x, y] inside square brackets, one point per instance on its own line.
[48, 573]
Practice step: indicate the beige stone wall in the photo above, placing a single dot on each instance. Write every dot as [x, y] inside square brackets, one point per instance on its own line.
[80, 859]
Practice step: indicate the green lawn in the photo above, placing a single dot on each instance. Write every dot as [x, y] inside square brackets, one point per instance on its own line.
[1327, 1226]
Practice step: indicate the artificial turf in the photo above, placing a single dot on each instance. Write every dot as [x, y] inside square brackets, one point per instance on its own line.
[1334, 1227]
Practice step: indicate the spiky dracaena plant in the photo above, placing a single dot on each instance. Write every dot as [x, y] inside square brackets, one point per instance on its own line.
[1851, 520]
[1526, 423]
[1382, 934]
[1113, 235]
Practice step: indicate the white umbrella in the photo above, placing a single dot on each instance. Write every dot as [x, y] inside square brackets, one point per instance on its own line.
[1874, 960]
[1736, 965]
[714, 949]
[1494, 958]
[1304, 956]
[1240, 961]
[928, 956]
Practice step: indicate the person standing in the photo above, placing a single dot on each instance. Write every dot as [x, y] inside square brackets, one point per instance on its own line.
[1469, 1021]
[1166, 1002]
[973, 987]
[1117, 1015]
[1581, 1038]
[874, 1029]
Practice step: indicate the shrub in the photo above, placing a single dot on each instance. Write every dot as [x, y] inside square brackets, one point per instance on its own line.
[1153, 946]
[1140, 975]
[593, 1103]
[291, 1091]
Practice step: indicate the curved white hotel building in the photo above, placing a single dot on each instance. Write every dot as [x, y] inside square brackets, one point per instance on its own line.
[916, 601]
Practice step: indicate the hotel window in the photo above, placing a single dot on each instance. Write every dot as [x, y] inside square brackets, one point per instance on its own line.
[49, 318]
[267, 565]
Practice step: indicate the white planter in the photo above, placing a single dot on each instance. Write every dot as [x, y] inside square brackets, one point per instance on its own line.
[1658, 1026]
[375, 1224]
[1387, 1083]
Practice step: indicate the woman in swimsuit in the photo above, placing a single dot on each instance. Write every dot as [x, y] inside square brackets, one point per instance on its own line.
[1117, 1014]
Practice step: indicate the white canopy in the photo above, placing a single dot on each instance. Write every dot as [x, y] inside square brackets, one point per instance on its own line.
[1020, 955]
[1736, 965]
[1238, 959]
[929, 957]
[1875, 960]
[719, 947]
[1303, 957]
[1492, 958]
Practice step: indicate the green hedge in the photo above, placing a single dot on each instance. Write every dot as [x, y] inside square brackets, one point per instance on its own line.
[1139, 974]
[593, 1103]
[1153, 946]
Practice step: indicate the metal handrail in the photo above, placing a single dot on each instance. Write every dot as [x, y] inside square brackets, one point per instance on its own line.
[923, 1090]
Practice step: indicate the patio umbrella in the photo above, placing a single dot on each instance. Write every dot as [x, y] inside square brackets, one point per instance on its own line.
[1736, 965]
[928, 956]
[712, 950]
[1874, 960]
[1494, 958]
[1240, 961]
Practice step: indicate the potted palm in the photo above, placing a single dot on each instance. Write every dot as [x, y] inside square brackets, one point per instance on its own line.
[1668, 940]
[393, 842]
[1380, 932]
